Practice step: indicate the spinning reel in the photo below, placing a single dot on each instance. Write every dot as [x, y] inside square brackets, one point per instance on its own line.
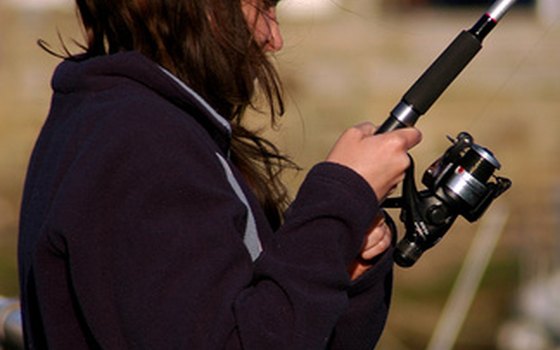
[461, 182]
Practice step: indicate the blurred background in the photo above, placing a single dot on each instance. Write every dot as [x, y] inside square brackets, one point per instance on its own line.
[494, 284]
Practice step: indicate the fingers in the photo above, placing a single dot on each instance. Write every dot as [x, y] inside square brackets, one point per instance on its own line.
[401, 140]
[378, 248]
[366, 128]
[380, 159]
[390, 152]
[377, 240]
[408, 137]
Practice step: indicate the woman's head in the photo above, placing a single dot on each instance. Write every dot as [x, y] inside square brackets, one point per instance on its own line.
[218, 47]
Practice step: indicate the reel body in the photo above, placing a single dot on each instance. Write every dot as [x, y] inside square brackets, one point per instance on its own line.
[461, 182]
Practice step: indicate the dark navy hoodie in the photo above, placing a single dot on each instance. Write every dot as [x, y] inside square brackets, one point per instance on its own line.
[138, 233]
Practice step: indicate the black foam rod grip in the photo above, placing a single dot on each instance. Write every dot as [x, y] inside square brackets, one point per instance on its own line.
[429, 87]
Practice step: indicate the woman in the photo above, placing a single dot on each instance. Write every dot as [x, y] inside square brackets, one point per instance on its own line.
[153, 219]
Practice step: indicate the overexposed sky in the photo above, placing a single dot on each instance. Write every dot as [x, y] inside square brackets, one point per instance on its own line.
[308, 8]
[39, 4]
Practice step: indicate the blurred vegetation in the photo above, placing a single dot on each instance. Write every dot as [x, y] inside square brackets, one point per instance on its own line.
[25, 71]
[349, 66]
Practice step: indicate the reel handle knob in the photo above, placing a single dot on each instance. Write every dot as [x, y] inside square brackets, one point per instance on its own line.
[407, 253]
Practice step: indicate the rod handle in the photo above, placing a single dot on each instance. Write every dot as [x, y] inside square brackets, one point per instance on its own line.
[429, 87]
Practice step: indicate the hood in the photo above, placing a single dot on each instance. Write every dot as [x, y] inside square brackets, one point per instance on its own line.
[103, 72]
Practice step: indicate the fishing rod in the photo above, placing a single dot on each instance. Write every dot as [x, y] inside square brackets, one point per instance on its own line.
[443, 71]
[462, 181]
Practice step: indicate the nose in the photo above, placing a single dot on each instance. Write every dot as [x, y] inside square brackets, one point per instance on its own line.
[275, 41]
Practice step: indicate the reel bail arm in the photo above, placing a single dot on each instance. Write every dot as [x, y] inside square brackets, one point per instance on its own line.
[458, 183]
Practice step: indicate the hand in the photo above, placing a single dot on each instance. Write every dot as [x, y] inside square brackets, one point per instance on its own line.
[376, 241]
[380, 159]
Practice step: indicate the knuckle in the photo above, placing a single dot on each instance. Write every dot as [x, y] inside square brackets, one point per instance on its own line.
[398, 142]
[405, 161]
[353, 131]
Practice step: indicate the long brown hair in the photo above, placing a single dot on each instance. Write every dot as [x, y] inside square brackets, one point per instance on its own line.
[208, 45]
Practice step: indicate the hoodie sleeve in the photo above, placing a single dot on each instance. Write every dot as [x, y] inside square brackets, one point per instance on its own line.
[360, 327]
[305, 268]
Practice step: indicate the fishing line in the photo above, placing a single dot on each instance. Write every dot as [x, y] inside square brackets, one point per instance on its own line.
[498, 10]
[514, 71]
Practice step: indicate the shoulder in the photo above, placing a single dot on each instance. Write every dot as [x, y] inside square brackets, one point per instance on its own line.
[126, 92]
[124, 133]
[130, 117]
